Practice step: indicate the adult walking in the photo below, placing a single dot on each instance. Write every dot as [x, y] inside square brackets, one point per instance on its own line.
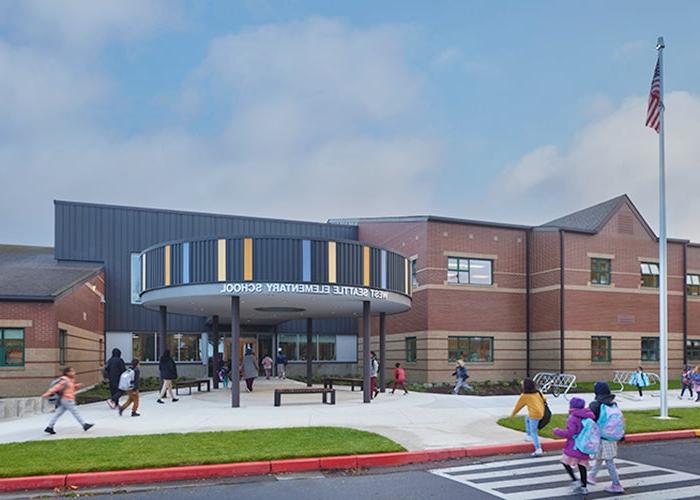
[373, 371]
[535, 402]
[133, 391]
[168, 373]
[65, 388]
[281, 361]
[113, 370]
[250, 369]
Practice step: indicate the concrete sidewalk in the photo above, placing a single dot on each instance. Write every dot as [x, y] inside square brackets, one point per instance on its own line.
[418, 421]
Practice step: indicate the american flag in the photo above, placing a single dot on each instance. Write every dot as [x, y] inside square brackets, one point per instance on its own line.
[655, 104]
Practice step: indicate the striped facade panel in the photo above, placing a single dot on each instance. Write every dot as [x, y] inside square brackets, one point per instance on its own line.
[167, 265]
[186, 262]
[221, 259]
[248, 258]
[349, 263]
[155, 268]
[396, 268]
[234, 259]
[176, 263]
[319, 261]
[277, 259]
[204, 261]
[376, 268]
[383, 270]
[109, 234]
[306, 260]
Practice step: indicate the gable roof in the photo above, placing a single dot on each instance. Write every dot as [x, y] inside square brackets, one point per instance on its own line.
[32, 273]
[592, 219]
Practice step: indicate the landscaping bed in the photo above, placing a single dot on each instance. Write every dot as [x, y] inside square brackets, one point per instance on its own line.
[62, 456]
[636, 421]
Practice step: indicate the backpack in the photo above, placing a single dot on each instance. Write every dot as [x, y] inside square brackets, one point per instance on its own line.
[55, 398]
[611, 423]
[126, 380]
[587, 441]
[544, 421]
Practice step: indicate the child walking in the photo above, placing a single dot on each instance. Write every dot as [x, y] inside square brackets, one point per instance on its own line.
[572, 457]
[641, 380]
[695, 381]
[133, 392]
[399, 378]
[535, 401]
[65, 388]
[612, 429]
[686, 382]
[267, 365]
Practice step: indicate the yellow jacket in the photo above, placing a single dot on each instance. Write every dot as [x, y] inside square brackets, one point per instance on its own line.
[535, 405]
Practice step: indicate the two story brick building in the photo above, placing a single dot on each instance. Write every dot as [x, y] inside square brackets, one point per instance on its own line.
[578, 294]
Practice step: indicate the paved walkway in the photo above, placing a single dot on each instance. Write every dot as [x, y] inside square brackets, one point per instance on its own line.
[417, 420]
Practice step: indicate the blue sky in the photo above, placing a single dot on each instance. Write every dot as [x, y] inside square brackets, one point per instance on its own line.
[509, 111]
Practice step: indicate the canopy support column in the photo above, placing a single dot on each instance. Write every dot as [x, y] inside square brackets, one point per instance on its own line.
[215, 340]
[309, 351]
[382, 352]
[235, 351]
[366, 390]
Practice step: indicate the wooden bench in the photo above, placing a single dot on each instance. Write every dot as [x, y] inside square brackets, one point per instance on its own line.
[192, 383]
[328, 382]
[325, 391]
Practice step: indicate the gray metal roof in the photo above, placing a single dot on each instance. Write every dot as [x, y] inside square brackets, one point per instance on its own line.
[32, 273]
[591, 219]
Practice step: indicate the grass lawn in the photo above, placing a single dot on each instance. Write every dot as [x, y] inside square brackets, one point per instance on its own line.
[673, 384]
[162, 450]
[635, 421]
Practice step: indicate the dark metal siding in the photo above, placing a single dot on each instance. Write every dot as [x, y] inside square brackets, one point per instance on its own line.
[109, 234]
[349, 263]
[277, 259]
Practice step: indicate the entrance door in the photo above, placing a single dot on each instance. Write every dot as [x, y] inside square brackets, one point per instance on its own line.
[266, 348]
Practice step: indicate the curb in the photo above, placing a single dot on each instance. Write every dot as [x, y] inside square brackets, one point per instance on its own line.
[189, 472]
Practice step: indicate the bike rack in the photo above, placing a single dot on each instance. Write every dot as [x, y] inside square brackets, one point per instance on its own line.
[555, 383]
[623, 377]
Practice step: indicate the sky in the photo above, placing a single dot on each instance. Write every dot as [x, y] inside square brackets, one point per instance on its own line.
[504, 111]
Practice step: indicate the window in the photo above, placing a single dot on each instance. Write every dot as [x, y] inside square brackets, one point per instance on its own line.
[135, 279]
[692, 282]
[600, 271]
[600, 349]
[471, 349]
[692, 348]
[144, 347]
[414, 273]
[650, 348]
[11, 347]
[184, 347]
[62, 347]
[411, 349]
[650, 274]
[469, 271]
[294, 346]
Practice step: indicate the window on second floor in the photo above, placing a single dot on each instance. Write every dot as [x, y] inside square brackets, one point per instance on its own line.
[414, 272]
[650, 274]
[469, 271]
[600, 271]
[692, 282]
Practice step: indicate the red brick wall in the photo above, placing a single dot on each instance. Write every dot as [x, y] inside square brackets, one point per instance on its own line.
[42, 332]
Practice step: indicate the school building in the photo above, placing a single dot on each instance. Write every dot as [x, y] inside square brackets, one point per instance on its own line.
[578, 294]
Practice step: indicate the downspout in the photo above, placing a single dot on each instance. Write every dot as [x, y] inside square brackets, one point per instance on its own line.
[685, 304]
[527, 302]
[561, 301]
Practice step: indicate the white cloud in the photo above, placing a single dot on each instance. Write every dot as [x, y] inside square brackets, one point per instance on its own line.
[613, 155]
[315, 119]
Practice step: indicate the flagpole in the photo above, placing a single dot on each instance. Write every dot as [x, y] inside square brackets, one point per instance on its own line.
[663, 268]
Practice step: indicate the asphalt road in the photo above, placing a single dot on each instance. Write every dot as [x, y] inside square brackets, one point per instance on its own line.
[650, 470]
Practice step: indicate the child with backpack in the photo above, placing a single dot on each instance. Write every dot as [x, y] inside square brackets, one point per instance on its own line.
[582, 442]
[686, 382]
[536, 411]
[65, 388]
[695, 381]
[641, 380]
[399, 378]
[461, 375]
[611, 424]
[129, 382]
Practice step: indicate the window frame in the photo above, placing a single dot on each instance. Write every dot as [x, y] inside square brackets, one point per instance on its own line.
[654, 275]
[459, 270]
[692, 345]
[608, 353]
[414, 272]
[300, 340]
[468, 349]
[655, 352]
[411, 349]
[692, 284]
[597, 273]
[3, 349]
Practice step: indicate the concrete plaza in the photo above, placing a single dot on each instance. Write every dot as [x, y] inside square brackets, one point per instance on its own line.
[416, 421]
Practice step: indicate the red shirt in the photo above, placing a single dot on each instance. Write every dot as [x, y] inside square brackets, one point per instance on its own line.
[399, 375]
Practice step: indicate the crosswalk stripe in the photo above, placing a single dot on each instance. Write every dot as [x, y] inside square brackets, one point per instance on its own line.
[602, 477]
[498, 465]
[677, 493]
[566, 490]
[510, 479]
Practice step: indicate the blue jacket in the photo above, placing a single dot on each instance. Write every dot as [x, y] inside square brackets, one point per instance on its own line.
[640, 378]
